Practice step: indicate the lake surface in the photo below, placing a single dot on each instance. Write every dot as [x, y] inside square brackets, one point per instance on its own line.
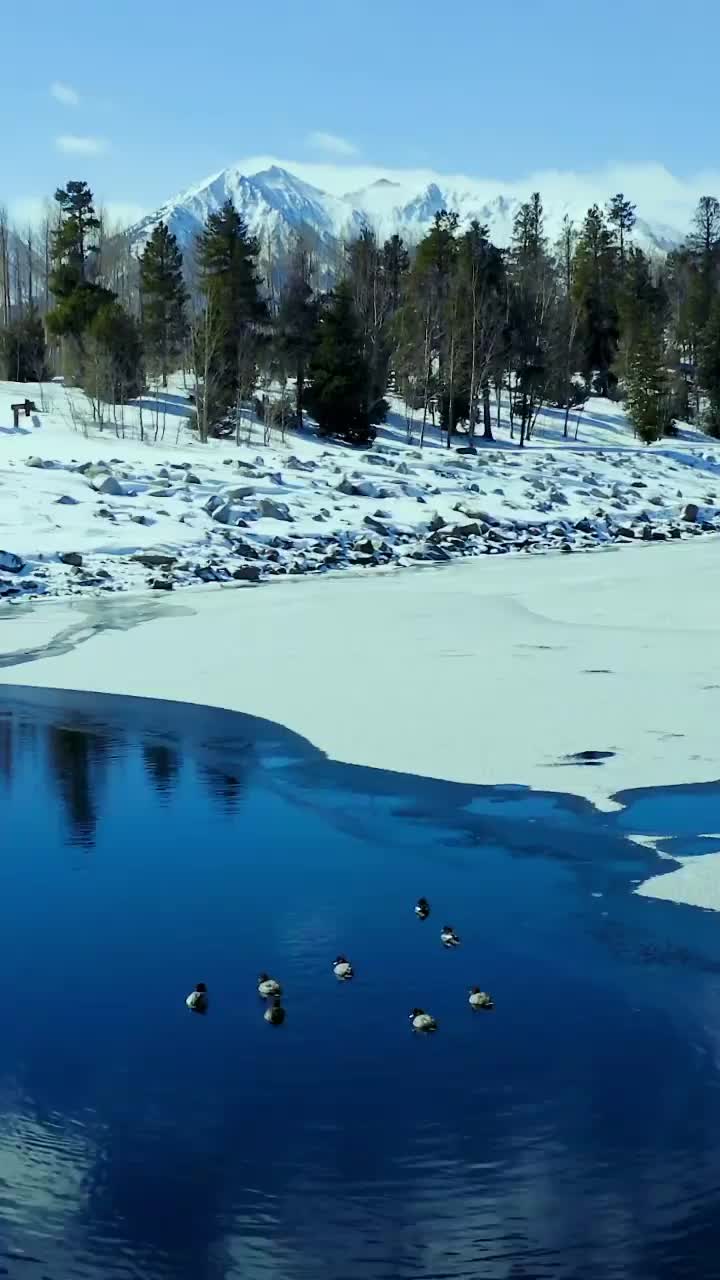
[573, 1133]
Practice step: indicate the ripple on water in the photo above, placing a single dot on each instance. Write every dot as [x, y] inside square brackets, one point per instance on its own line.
[572, 1133]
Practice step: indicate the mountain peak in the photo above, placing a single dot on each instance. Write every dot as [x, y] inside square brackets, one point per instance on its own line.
[278, 203]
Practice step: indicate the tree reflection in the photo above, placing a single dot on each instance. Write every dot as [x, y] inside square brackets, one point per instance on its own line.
[77, 762]
[162, 765]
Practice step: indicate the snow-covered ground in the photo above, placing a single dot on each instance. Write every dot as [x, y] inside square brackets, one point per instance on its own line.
[500, 669]
[102, 497]
[488, 672]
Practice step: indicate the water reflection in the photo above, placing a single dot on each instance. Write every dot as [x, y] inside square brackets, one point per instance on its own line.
[574, 1133]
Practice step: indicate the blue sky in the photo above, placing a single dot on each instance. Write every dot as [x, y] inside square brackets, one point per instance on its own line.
[144, 99]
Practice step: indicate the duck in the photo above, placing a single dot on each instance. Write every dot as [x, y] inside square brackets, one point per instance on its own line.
[342, 969]
[268, 987]
[275, 1014]
[448, 936]
[422, 1021]
[422, 910]
[480, 999]
[197, 1001]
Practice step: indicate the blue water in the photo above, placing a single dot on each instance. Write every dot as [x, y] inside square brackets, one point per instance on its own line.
[573, 1133]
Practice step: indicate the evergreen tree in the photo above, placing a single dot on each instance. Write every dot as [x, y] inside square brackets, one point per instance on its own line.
[648, 385]
[227, 257]
[709, 370]
[337, 394]
[530, 312]
[163, 298]
[74, 241]
[22, 347]
[641, 300]
[595, 287]
[113, 364]
[621, 216]
[296, 324]
[77, 298]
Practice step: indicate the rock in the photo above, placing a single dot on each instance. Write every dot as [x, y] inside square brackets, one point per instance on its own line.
[72, 558]
[246, 549]
[66, 501]
[274, 510]
[467, 448]
[142, 520]
[298, 464]
[436, 523]
[38, 462]
[212, 503]
[585, 525]
[191, 478]
[675, 533]
[161, 584]
[402, 469]
[377, 525]
[624, 532]
[566, 548]
[242, 491]
[108, 485]
[247, 573]
[223, 514]
[657, 535]
[10, 562]
[153, 559]
[691, 512]
[470, 530]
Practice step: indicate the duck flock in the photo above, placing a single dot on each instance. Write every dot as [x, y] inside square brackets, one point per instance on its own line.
[270, 990]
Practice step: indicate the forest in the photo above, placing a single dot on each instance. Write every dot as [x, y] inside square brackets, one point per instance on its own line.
[462, 330]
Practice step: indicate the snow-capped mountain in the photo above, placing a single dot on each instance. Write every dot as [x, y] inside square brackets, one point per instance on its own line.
[277, 204]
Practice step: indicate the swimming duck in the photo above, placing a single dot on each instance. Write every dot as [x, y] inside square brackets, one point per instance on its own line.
[342, 969]
[275, 1013]
[480, 999]
[422, 1021]
[448, 937]
[268, 987]
[422, 910]
[197, 1001]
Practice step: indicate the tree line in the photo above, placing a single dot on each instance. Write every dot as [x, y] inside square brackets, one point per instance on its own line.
[465, 332]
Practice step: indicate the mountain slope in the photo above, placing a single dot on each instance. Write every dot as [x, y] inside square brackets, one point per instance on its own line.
[277, 205]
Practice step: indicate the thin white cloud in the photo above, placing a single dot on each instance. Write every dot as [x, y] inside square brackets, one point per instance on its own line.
[330, 142]
[78, 145]
[659, 194]
[64, 93]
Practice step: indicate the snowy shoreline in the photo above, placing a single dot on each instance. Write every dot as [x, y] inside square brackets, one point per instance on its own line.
[504, 668]
[91, 512]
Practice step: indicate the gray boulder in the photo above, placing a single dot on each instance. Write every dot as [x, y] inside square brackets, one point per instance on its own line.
[66, 501]
[10, 562]
[274, 510]
[237, 494]
[691, 512]
[108, 485]
[72, 558]
[153, 559]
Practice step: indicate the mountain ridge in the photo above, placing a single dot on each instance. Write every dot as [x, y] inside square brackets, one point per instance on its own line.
[278, 205]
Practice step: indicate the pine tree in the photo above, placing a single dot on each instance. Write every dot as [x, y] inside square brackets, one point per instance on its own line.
[113, 365]
[73, 243]
[648, 387]
[337, 394]
[296, 324]
[530, 311]
[595, 287]
[163, 298]
[621, 216]
[77, 298]
[227, 258]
